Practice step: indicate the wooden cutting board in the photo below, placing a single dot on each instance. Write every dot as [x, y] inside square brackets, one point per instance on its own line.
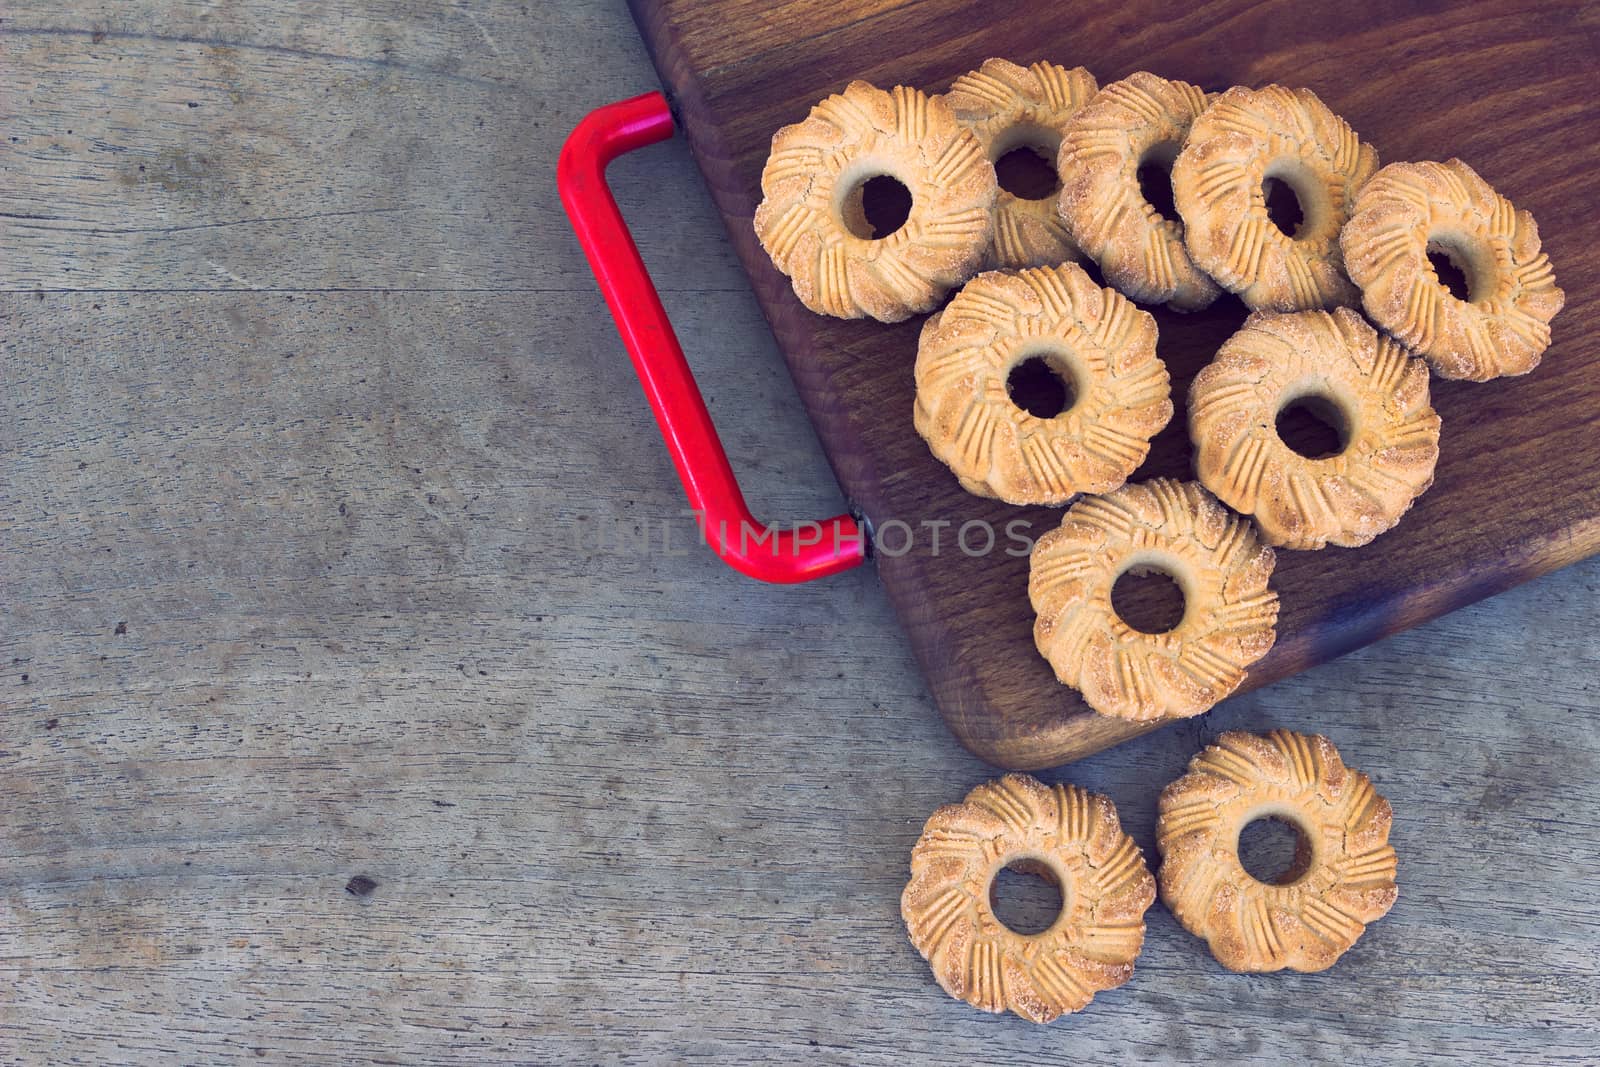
[1510, 88]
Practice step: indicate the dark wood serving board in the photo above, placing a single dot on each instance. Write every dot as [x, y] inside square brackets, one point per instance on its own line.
[1510, 88]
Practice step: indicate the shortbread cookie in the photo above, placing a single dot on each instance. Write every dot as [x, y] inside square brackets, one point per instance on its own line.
[1062, 833]
[1010, 107]
[813, 223]
[1140, 120]
[1343, 875]
[1367, 386]
[1100, 347]
[1408, 210]
[1246, 137]
[1175, 528]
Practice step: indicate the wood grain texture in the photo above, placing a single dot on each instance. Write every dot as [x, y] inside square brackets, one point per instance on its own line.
[343, 717]
[1518, 486]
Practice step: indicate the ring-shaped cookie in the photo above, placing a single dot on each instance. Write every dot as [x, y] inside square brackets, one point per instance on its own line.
[1176, 528]
[1099, 346]
[1010, 107]
[1365, 384]
[1343, 876]
[812, 219]
[1062, 833]
[1140, 120]
[1245, 138]
[1407, 211]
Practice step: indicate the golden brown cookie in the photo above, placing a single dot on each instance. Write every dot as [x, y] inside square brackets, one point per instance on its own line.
[1343, 876]
[1362, 382]
[1408, 210]
[812, 219]
[1051, 321]
[1062, 833]
[1140, 120]
[1010, 107]
[1175, 528]
[1246, 137]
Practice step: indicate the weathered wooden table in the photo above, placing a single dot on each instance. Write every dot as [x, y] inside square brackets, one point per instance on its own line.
[364, 697]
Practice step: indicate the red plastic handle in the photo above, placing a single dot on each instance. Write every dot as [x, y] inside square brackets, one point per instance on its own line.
[810, 549]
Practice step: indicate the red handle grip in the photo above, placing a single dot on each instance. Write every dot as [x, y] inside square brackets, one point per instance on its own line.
[811, 549]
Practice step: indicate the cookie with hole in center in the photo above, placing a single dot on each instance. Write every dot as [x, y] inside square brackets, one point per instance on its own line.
[1172, 528]
[1037, 385]
[1019, 114]
[1245, 139]
[813, 217]
[1131, 125]
[1062, 833]
[1343, 876]
[1501, 325]
[1364, 384]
